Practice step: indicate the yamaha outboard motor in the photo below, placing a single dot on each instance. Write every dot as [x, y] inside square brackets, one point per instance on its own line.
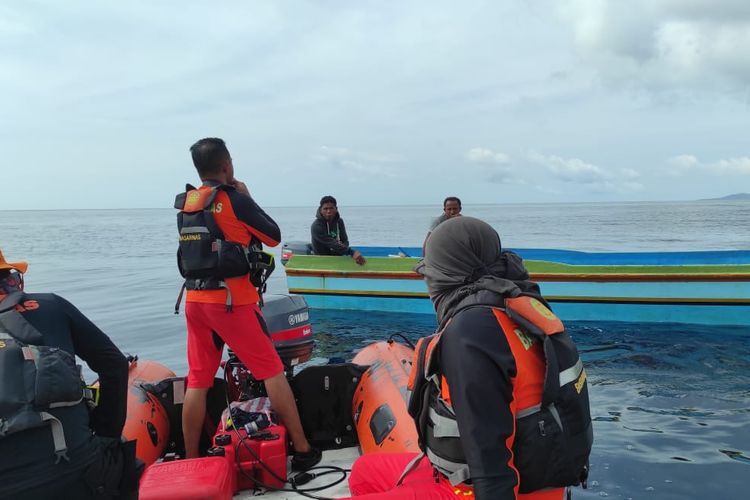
[292, 248]
[288, 321]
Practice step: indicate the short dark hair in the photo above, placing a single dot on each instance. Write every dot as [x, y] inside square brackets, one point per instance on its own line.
[4, 273]
[451, 198]
[209, 155]
[327, 199]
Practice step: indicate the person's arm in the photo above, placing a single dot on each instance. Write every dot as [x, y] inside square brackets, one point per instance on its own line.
[424, 245]
[257, 222]
[342, 233]
[478, 364]
[103, 357]
[356, 254]
[433, 224]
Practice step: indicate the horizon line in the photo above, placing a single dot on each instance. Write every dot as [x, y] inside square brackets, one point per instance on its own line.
[396, 205]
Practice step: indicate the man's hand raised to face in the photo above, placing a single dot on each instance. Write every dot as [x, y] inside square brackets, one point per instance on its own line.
[239, 186]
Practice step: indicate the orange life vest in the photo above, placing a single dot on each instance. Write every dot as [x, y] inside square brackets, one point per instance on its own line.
[218, 255]
[553, 433]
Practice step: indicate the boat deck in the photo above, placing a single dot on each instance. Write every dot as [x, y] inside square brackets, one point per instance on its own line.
[343, 458]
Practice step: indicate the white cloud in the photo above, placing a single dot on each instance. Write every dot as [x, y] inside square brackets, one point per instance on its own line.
[577, 171]
[496, 166]
[353, 162]
[629, 173]
[684, 161]
[484, 155]
[732, 166]
[569, 169]
[664, 44]
[684, 164]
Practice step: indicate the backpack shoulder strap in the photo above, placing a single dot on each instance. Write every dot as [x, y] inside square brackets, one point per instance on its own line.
[14, 324]
[11, 301]
[195, 199]
[537, 320]
[179, 200]
[533, 316]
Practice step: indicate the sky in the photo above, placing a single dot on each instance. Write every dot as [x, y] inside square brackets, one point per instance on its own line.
[375, 102]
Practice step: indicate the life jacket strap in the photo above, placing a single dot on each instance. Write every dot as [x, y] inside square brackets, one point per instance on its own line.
[14, 322]
[10, 301]
[179, 297]
[207, 284]
[410, 467]
[571, 374]
[443, 427]
[229, 297]
[58, 436]
[456, 472]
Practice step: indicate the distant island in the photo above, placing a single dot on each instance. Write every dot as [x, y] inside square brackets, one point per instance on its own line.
[732, 197]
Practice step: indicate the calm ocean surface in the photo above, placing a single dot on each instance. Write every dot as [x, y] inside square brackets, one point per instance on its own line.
[671, 403]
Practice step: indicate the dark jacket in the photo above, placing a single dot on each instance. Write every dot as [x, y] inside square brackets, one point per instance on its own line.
[487, 430]
[329, 238]
[27, 459]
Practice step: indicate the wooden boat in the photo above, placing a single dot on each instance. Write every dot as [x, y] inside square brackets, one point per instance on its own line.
[708, 287]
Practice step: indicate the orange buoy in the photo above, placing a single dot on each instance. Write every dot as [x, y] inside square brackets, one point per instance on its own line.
[379, 406]
[147, 420]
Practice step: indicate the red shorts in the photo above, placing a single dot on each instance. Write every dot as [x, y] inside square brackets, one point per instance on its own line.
[242, 330]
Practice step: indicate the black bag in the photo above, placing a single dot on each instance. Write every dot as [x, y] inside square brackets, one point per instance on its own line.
[116, 471]
[203, 252]
[324, 399]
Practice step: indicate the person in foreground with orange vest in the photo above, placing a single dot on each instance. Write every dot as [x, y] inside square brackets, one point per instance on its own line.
[222, 230]
[52, 445]
[499, 395]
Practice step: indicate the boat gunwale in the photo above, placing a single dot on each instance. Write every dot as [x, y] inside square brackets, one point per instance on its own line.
[693, 301]
[558, 277]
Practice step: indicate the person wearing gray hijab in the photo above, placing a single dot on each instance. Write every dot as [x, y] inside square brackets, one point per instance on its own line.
[468, 277]
[464, 265]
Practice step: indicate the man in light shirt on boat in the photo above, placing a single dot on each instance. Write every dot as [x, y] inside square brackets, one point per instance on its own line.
[451, 208]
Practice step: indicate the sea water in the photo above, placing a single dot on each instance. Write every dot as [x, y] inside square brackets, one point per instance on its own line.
[671, 403]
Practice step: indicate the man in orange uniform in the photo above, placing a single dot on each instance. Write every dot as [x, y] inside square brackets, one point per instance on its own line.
[51, 444]
[230, 311]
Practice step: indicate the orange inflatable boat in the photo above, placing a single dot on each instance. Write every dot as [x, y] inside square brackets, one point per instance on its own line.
[379, 406]
[147, 420]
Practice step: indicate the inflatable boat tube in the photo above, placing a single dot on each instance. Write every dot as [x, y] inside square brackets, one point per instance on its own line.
[379, 406]
[147, 420]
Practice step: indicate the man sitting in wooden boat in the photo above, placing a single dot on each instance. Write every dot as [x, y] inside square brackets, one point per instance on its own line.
[328, 232]
[499, 395]
[51, 444]
[451, 208]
